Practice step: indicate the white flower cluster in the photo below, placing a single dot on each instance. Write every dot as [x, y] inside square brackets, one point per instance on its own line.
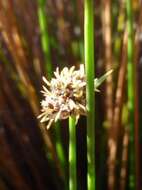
[65, 95]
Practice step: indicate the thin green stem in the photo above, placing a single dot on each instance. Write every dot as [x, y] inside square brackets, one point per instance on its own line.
[131, 91]
[60, 150]
[42, 17]
[43, 25]
[89, 64]
[72, 154]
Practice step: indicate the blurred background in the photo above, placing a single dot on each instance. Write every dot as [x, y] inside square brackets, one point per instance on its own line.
[36, 36]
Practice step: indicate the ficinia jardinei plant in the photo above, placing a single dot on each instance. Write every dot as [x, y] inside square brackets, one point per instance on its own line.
[65, 97]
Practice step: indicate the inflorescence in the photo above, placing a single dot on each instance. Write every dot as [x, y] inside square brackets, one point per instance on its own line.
[65, 95]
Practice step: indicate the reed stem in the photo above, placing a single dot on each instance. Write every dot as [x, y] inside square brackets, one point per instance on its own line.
[42, 17]
[72, 154]
[43, 25]
[90, 100]
[130, 69]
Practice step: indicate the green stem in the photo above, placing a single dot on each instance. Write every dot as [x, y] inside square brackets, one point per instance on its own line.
[72, 154]
[43, 25]
[131, 91]
[60, 151]
[89, 64]
[42, 17]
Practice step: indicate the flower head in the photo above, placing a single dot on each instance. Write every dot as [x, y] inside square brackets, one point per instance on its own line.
[65, 95]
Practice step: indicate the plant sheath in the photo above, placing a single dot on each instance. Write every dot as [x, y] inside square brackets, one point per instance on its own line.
[90, 98]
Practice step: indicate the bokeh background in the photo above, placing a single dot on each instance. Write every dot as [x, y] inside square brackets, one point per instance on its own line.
[36, 36]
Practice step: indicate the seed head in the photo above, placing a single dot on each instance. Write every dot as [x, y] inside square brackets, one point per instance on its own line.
[65, 95]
